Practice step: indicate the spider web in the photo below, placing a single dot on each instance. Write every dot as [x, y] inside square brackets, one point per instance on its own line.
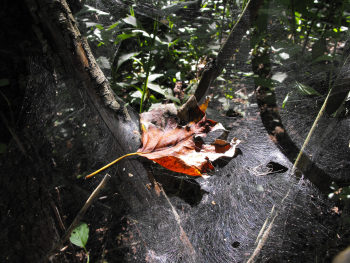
[252, 208]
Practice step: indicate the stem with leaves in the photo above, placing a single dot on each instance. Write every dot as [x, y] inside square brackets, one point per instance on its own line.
[149, 63]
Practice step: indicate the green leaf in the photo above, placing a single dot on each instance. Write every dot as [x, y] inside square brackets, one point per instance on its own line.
[172, 98]
[156, 88]
[285, 100]
[124, 36]
[305, 89]
[113, 26]
[80, 235]
[136, 94]
[90, 24]
[131, 20]
[90, 9]
[143, 32]
[126, 57]
[153, 77]
[153, 99]
[99, 26]
[137, 60]
[132, 12]
[159, 90]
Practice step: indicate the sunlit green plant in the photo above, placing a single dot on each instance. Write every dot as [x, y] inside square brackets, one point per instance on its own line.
[155, 53]
[79, 237]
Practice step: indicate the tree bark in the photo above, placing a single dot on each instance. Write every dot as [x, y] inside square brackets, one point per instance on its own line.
[69, 55]
[56, 23]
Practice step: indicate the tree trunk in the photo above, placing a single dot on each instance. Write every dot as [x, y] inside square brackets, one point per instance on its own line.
[40, 190]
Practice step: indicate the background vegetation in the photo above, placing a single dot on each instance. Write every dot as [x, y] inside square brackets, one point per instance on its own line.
[149, 47]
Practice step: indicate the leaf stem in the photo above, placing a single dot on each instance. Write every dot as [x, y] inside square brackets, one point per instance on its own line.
[111, 163]
[87, 255]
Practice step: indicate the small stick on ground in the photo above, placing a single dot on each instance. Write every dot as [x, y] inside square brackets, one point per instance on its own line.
[80, 215]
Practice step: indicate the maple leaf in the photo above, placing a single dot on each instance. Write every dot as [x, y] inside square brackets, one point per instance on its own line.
[190, 148]
[183, 149]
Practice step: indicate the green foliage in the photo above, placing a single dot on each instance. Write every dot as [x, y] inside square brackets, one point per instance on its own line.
[79, 237]
[174, 47]
[311, 32]
[285, 100]
[305, 89]
[167, 46]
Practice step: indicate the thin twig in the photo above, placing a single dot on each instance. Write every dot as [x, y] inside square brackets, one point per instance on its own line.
[262, 241]
[297, 165]
[307, 140]
[58, 216]
[80, 215]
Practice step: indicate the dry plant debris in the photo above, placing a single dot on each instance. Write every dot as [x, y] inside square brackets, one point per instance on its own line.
[182, 148]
